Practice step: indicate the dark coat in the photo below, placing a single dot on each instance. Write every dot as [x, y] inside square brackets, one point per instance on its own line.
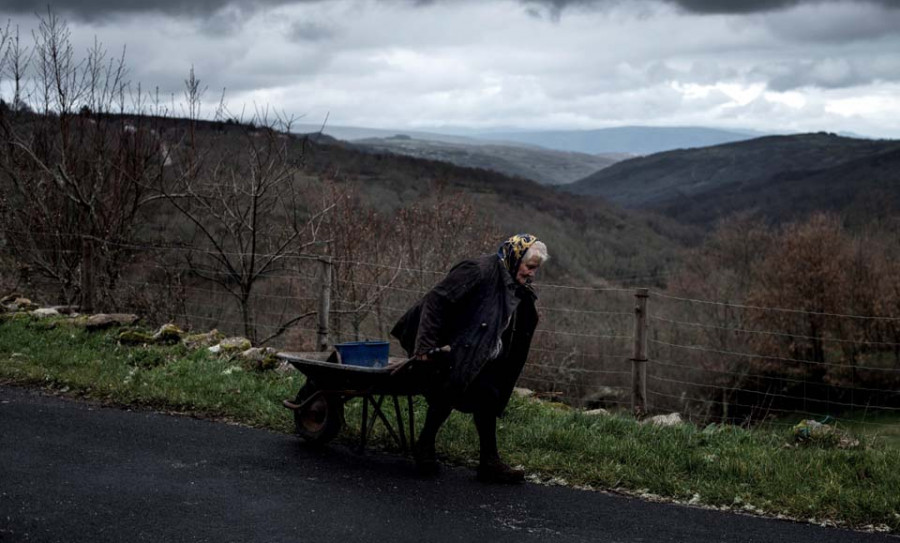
[476, 304]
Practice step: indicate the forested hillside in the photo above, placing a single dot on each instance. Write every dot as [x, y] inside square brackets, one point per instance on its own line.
[546, 166]
[778, 177]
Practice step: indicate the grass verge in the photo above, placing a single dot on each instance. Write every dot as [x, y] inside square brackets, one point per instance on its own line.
[756, 471]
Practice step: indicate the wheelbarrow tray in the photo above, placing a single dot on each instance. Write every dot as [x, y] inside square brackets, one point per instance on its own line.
[318, 408]
[349, 379]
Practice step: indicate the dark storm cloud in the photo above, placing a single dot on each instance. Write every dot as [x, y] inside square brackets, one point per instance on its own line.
[99, 9]
[709, 7]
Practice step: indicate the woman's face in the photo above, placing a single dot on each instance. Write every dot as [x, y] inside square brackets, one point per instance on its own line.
[527, 269]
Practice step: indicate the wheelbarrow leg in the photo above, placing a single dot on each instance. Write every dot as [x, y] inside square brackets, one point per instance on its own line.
[398, 416]
[412, 422]
[378, 413]
[368, 421]
[365, 419]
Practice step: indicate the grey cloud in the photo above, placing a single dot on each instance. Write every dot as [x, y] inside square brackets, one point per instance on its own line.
[100, 9]
[828, 73]
[90, 10]
[310, 31]
[708, 7]
[835, 26]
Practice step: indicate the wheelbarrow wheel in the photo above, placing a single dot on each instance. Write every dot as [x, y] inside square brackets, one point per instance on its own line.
[321, 420]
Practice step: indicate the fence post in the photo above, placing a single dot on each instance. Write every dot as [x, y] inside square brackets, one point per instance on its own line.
[639, 358]
[87, 275]
[324, 303]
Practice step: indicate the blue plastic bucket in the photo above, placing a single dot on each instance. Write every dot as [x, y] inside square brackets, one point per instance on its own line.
[371, 354]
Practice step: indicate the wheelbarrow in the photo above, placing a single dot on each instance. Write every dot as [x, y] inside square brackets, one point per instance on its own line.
[318, 407]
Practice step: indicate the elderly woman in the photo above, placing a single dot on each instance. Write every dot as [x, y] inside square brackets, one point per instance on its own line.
[484, 310]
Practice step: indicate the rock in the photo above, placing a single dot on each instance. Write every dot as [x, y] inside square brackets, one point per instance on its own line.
[261, 358]
[15, 316]
[596, 412]
[66, 309]
[134, 337]
[45, 312]
[233, 345]
[6, 300]
[604, 396]
[523, 392]
[672, 419]
[168, 334]
[40, 324]
[198, 341]
[103, 321]
[285, 367]
[21, 304]
[810, 431]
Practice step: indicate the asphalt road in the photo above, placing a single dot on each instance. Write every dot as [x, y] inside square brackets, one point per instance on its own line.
[73, 471]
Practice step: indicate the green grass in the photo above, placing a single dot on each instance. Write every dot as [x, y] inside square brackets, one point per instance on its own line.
[724, 466]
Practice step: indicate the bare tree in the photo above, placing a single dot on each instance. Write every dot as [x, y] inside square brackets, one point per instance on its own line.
[247, 213]
[71, 170]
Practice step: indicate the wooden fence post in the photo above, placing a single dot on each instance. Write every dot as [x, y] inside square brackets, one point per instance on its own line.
[324, 304]
[87, 275]
[639, 358]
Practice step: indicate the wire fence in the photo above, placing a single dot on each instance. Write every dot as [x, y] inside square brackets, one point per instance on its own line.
[709, 359]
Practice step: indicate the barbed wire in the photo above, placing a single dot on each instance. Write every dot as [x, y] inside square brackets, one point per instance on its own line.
[665, 363]
[775, 309]
[578, 370]
[576, 334]
[386, 266]
[768, 394]
[583, 311]
[388, 287]
[574, 287]
[241, 324]
[770, 357]
[222, 292]
[768, 409]
[582, 354]
[771, 333]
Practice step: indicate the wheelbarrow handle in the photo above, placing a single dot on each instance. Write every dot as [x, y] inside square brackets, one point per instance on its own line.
[401, 365]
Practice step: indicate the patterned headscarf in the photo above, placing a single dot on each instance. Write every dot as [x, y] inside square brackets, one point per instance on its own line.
[513, 250]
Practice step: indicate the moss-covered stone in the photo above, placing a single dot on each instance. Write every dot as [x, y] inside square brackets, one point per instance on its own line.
[15, 316]
[233, 345]
[260, 358]
[45, 312]
[811, 432]
[198, 341]
[42, 324]
[103, 321]
[21, 304]
[6, 300]
[134, 337]
[168, 334]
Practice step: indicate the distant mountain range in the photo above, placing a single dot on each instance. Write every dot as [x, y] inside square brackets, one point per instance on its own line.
[353, 133]
[638, 140]
[632, 140]
[779, 177]
[546, 166]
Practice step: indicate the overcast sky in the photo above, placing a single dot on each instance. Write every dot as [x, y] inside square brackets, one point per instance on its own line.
[771, 65]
